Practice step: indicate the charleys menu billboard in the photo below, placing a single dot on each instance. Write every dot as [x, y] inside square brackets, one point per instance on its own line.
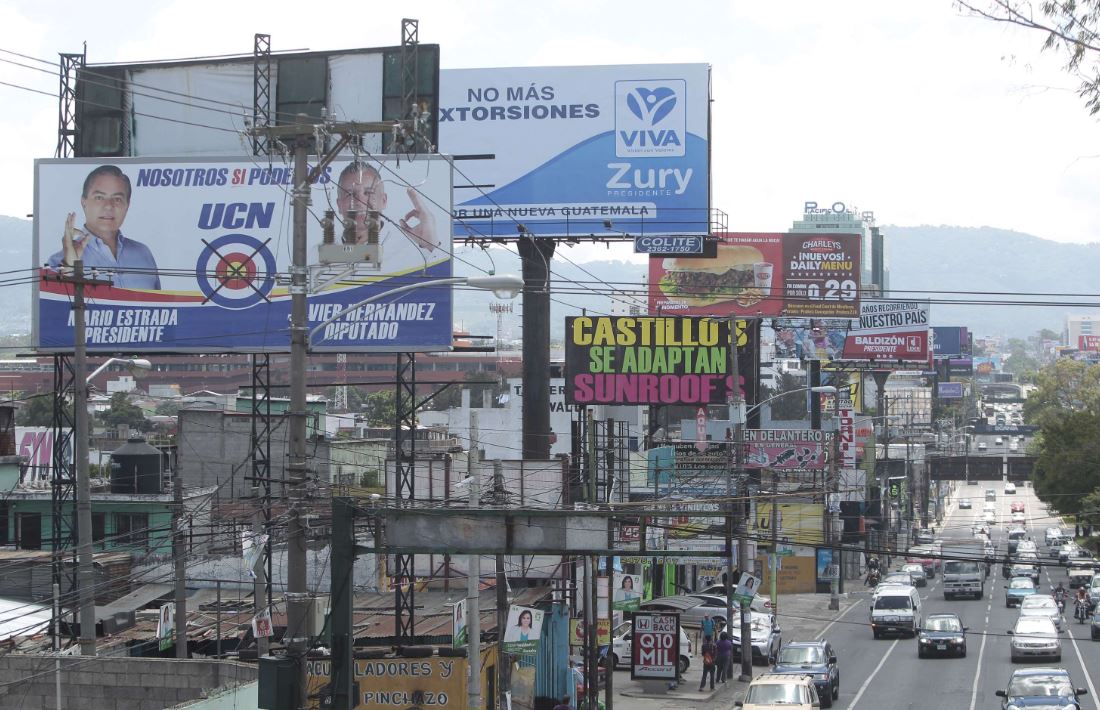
[762, 274]
[647, 360]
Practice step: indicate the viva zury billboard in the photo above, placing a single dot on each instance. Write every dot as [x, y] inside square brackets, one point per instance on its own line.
[890, 331]
[579, 151]
[796, 275]
[197, 253]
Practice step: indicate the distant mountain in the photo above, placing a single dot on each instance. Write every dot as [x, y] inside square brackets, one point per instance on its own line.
[960, 268]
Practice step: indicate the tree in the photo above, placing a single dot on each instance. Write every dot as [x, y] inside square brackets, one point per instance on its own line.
[1068, 465]
[37, 410]
[789, 407]
[1064, 386]
[123, 411]
[168, 409]
[379, 408]
[1071, 28]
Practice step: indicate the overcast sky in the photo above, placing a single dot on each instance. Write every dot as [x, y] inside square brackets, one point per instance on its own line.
[909, 109]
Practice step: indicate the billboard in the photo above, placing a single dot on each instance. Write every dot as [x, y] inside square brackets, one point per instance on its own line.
[1088, 342]
[950, 390]
[762, 274]
[198, 253]
[647, 360]
[579, 151]
[890, 331]
[801, 449]
[655, 652]
[810, 338]
[950, 342]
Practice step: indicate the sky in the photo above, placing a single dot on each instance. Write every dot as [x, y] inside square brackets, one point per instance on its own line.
[910, 109]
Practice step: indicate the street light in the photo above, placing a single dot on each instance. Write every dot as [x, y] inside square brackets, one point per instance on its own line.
[504, 287]
[137, 365]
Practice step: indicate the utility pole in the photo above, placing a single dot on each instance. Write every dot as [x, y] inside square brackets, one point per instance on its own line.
[85, 570]
[179, 556]
[473, 579]
[775, 543]
[502, 592]
[737, 512]
[834, 462]
[259, 594]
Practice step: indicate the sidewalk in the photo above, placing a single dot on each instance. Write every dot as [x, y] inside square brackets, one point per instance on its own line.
[801, 617]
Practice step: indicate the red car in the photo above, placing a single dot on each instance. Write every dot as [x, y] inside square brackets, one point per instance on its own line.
[921, 554]
[1017, 506]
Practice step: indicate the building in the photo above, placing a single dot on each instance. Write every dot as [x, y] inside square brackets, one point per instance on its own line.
[838, 218]
[1077, 330]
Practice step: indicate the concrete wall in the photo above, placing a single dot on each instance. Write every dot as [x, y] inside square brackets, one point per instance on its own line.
[108, 683]
[238, 698]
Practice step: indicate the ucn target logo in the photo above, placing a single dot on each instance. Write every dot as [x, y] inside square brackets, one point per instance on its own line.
[650, 118]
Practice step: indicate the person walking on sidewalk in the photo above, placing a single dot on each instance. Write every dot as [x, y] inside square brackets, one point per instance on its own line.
[724, 657]
[708, 628]
[709, 652]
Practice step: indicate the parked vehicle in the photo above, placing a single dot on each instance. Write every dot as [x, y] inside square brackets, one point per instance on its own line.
[814, 658]
[766, 639]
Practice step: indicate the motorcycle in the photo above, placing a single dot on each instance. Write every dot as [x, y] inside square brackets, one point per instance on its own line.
[872, 578]
[1081, 611]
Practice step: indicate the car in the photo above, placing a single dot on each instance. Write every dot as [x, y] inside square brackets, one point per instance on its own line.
[1094, 590]
[1024, 568]
[1010, 489]
[924, 555]
[923, 536]
[1018, 517]
[1018, 588]
[623, 635]
[1034, 637]
[990, 517]
[1066, 551]
[1017, 506]
[758, 603]
[1094, 624]
[715, 605]
[965, 504]
[1040, 688]
[902, 578]
[941, 634]
[767, 638]
[990, 495]
[916, 572]
[814, 658]
[1080, 576]
[982, 446]
[1042, 605]
[770, 690]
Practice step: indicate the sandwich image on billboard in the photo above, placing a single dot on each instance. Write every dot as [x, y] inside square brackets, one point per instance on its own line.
[762, 274]
[197, 253]
[893, 331]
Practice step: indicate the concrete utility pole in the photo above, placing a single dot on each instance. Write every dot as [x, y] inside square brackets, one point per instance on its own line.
[179, 555]
[737, 512]
[85, 576]
[473, 580]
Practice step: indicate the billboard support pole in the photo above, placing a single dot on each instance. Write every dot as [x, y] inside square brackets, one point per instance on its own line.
[535, 255]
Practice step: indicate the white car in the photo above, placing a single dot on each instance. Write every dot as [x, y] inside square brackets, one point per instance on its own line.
[1042, 605]
[773, 690]
[990, 517]
[1018, 517]
[1035, 637]
[623, 635]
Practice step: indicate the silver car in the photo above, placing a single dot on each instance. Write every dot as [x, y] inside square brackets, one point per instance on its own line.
[1035, 637]
[766, 638]
[1042, 605]
[916, 571]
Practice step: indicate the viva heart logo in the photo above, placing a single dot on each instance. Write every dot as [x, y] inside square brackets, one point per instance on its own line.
[651, 105]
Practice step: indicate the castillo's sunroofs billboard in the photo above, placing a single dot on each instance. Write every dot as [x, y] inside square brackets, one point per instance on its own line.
[198, 254]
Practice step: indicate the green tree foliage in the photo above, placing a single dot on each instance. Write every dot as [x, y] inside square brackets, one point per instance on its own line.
[790, 407]
[1063, 387]
[1071, 30]
[38, 411]
[123, 411]
[168, 409]
[379, 408]
[1068, 465]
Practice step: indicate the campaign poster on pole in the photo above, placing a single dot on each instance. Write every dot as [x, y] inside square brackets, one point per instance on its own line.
[579, 151]
[628, 592]
[198, 254]
[166, 626]
[521, 635]
[655, 650]
[460, 632]
[261, 624]
[746, 588]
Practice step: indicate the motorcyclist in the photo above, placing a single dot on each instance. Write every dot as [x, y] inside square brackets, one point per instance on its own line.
[1059, 594]
[872, 564]
[1081, 604]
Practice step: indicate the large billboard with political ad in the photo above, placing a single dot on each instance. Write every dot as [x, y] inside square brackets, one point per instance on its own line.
[579, 151]
[762, 274]
[197, 253]
[890, 331]
[647, 360]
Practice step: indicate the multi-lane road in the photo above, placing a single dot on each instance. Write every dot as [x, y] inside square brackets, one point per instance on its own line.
[887, 673]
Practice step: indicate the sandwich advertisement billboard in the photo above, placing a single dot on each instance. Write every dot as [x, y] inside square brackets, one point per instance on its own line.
[198, 254]
[579, 151]
[792, 275]
[894, 331]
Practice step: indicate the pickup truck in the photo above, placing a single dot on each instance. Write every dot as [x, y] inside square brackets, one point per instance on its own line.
[964, 569]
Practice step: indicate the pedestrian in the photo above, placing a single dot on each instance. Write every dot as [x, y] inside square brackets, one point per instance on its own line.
[708, 628]
[709, 652]
[724, 657]
[564, 704]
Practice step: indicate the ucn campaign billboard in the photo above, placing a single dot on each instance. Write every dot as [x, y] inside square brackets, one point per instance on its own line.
[894, 331]
[579, 151]
[198, 252]
[807, 275]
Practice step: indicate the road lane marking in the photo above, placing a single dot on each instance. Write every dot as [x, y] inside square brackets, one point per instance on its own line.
[1084, 668]
[838, 617]
[867, 683]
[978, 675]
